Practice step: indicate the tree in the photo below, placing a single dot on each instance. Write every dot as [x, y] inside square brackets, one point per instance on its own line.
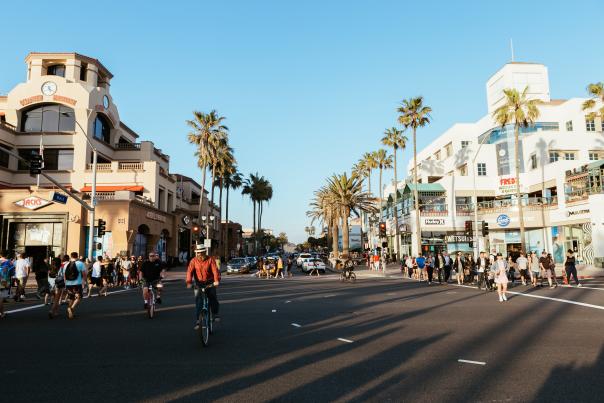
[347, 196]
[232, 180]
[394, 138]
[521, 112]
[282, 239]
[322, 209]
[414, 114]
[259, 190]
[369, 162]
[207, 130]
[384, 161]
[221, 163]
[596, 93]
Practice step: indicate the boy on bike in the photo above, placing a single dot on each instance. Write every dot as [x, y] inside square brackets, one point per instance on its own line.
[202, 272]
[151, 273]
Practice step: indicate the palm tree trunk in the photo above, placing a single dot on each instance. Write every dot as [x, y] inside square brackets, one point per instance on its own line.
[418, 231]
[397, 241]
[334, 238]
[517, 167]
[254, 235]
[369, 181]
[210, 204]
[220, 214]
[203, 187]
[226, 231]
[380, 189]
[345, 234]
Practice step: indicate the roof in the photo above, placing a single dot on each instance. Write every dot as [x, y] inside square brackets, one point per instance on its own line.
[87, 59]
[425, 187]
[185, 178]
[129, 130]
[113, 188]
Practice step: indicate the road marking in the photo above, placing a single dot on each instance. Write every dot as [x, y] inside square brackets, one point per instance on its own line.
[274, 310]
[25, 309]
[329, 296]
[472, 362]
[345, 340]
[287, 302]
[296, 325]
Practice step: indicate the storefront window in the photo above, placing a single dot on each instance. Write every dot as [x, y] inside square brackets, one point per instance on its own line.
[576, 237]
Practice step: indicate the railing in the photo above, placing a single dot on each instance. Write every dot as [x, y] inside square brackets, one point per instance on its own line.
[128, 146]
[131, 166]
[531, 202]
[144, 200]
[433, 209]
[464, 209]
[577, 195]
[100, 167]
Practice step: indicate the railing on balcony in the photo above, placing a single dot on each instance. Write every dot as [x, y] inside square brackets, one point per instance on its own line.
[130, 166]
[577, 195]
[529, 203]
[464, 209]
[433, 209]
[128, 146]
[100, 167]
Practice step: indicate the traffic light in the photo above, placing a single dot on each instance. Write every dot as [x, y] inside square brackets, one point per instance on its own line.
[485, 228]
[35, 164]
[382, 229]
[468, 228]
[471, 244]
[195, 232]
[101, 228]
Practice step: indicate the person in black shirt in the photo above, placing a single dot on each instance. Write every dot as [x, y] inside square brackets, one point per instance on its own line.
[151, 273]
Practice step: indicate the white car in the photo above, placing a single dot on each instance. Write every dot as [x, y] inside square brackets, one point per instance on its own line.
[313, 264]
[301, 258]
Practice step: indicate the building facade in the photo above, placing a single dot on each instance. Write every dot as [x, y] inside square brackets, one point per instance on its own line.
[65, 102]
[470, 169]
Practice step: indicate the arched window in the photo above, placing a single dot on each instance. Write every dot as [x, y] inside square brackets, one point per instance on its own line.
[48, 118]
[102, 129]
[56, 70]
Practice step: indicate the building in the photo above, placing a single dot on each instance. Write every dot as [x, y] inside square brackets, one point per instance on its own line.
[65, 102]
[354, 235]
[471, 165]
[235, 239]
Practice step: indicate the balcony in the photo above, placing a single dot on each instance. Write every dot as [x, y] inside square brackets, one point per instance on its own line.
[433, 210]
[118, 166]
[531, 203]
[128, 146]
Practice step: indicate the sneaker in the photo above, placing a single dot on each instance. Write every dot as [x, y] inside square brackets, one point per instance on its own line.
[216, 318]
[500, 299]
[579, 285]
[158, 300]
[196, 327]
[69, 313]
[551, 286]
[505, 298]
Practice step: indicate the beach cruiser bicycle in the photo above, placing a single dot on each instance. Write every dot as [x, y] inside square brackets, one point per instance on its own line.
[206, 318]
[150, 302]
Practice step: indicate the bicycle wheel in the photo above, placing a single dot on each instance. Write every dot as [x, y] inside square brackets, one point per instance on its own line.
[204, 330]
[211, 321]
[353, 277]
[151, 310]
[342, 277]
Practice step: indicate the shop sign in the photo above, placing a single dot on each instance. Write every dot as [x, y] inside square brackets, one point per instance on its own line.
[457, 238]
[503, 220]
[32, 203]
[571, 213]
[434, 221]
[155, 217]
[507, 185]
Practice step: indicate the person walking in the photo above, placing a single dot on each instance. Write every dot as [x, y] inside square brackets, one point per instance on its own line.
[535, 269]
[430, 268]
[5, 270]
[448, 265]
[126, 266]
[571, 268]
[41, 268]
[440, 267]
[458, 265]
[290, 263]
[279, 267]
[420, 261]
[500, 268]
[75, 277]
[511, 270]
[481, 267]
[522, 263]
[22, 269]
[546, 267]
[59, 286]
[470, 268]
[409, 265]
[96, 278]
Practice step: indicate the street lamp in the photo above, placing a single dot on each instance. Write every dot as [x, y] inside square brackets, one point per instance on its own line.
[474, 191]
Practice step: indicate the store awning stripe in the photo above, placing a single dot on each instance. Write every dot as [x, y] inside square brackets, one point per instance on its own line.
[112, 188]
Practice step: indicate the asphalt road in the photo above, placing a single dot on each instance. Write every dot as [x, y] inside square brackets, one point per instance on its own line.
[376, 340]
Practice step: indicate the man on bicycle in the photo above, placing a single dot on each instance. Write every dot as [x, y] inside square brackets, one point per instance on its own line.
[151, 274]
[202, 272]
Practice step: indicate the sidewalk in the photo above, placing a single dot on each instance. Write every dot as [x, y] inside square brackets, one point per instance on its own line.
[393, 270]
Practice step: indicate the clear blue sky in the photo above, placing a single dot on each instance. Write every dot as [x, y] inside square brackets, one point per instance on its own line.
[307, 86]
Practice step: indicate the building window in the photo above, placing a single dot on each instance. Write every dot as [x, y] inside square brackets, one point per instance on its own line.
[102, 129]
[553, 156]
[4, 158]
[48, 118]
[594, 156]
[56, 70]
[54, 159]
[534, 161]
[448, 150]
[569, 156]
[569, 126]
[83, 71]
[482, 169]
[590, 125]
[465, 143]
[437, 155]
[463, 170]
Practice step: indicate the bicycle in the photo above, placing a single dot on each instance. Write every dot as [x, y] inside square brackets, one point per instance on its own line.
[348, 272]
[206, 318]
[150, 302]
[486, 282]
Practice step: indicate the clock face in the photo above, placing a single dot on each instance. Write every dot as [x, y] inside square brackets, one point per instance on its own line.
[49, 88]
[106, 101]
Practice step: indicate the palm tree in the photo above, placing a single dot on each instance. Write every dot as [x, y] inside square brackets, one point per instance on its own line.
[250, 188]
[232, 180]
[259, 189]
[596, 92]
[414, 114]
[322, 209]
[394, 138]
[207, 129]
[521, 112]
[384, 161]
[266, 194]
[370, 164]
[347, 195]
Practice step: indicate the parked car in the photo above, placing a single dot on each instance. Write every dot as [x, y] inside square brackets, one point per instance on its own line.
[301, 257]
[238, 265]
[313, 264]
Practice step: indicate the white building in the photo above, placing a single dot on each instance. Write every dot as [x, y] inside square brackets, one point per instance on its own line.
[474, 162]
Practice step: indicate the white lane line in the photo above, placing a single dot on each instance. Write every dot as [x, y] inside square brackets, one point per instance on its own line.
[296, 325]
[345, 340]
[287, 302]
[566, 301]
[329, 296]
[274, 310]
[25, 309]
[472, 362]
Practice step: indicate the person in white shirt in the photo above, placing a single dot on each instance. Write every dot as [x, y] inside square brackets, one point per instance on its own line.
[96, 279]
[481, 264]
[22, 269]
[126, 264]
[522, 264]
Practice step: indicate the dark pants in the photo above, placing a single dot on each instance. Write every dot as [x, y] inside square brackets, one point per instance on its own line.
[430, 271]
[440, 272]
[43, 286]
[572, 271]
[447, 273]
[480, 279]
[212, 301]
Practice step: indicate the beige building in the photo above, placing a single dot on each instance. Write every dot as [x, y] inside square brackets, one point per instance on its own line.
[66, 98]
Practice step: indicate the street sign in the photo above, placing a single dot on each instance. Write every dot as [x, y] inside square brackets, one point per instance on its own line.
[59, 198]
[207, 243]
[32, 202]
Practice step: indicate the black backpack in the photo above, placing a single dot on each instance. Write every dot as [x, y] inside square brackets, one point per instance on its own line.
[71, 272]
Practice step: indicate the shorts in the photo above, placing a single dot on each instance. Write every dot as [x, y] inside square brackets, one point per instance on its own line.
[4, 293]
[149, 283]
[548, 274]
[98, 281]
[74, 290]
[523, 273]
[535, 274]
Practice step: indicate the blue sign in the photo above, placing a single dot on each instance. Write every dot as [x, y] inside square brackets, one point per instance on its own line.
[59, 198]
[503, 220]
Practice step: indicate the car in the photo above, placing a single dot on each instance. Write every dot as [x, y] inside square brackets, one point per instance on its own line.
[238, 265]
[252, 261]
[301, 257]
[313, 264]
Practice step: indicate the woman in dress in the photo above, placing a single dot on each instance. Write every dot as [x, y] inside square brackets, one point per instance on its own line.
[458, 265]
[500, 268]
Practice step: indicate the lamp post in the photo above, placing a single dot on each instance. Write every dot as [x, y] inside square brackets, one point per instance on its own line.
[474, 191]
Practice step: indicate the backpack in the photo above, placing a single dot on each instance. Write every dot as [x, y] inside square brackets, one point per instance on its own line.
[71, 272]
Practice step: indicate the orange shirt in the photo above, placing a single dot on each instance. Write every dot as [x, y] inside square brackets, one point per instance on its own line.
[205, 270]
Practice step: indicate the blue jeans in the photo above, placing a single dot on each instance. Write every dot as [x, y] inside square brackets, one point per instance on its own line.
[212, 301]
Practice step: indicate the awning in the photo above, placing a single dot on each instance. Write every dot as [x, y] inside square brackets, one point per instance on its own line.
[113, 188]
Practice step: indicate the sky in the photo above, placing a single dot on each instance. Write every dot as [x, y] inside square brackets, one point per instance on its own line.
[307, 86]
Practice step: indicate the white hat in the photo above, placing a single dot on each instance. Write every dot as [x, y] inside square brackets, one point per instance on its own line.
[201, 248]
